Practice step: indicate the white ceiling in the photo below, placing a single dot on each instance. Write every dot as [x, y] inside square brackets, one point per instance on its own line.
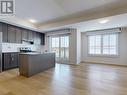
[48, 11]
[114, 22]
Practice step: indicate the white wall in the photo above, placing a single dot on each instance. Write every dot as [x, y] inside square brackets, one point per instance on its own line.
[120, 60]
[78, 47]
[73, 47]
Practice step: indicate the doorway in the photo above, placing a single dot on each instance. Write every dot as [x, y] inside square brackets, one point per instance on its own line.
[60, 45]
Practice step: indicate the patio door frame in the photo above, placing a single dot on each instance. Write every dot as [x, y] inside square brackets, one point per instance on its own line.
[64, 60]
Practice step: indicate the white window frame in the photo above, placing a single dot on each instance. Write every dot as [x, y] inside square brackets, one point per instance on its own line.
[104, 55]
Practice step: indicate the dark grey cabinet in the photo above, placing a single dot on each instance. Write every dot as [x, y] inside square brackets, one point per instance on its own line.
[30, 36]
[10, 60]
[42, 39]
[18, 35]
[6, 61]
[0, 27]
[5, 32]
[14, 60]
[37, 38]
[14, 34]
[11, 34]
[24, 35]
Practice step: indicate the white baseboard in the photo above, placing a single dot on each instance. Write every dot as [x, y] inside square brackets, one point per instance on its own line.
[94, 62]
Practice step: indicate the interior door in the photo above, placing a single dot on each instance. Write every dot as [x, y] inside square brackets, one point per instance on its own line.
[60, 45]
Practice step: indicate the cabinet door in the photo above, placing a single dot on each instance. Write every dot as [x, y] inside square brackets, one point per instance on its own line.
[18, 35]
[11, 34]
[37, 38]
[0, 27]
[30, 36]
[6, 61]
[5, 32]
[24, 35]
[42, 39]
[14, 60]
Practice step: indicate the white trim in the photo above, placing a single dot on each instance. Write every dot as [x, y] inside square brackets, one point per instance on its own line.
[103, 63]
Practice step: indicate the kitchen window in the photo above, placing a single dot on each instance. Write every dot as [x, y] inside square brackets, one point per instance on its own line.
[103, 44]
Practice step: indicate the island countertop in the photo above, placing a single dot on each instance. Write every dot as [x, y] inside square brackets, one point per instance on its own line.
[35, 53]
[32, 63]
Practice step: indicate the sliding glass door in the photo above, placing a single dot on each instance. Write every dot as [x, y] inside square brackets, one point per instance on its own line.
[60, 45]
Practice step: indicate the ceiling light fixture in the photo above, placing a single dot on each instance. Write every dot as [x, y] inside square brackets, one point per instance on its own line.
[104, 21]
[32, 20]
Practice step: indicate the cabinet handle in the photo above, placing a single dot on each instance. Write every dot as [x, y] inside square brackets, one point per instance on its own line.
[12, 58]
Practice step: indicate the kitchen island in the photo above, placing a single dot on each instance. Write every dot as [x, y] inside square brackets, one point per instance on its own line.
[33, 63]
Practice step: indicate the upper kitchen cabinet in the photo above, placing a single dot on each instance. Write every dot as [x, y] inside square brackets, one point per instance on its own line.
[30, 36]
[11, 34]
[24, 35]
[42, 39]
[4, 30]
[37, 38]
[0, 27]
[14, 34]
[18, 35]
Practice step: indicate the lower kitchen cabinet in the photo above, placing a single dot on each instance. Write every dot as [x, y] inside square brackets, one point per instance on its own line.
[10, 60]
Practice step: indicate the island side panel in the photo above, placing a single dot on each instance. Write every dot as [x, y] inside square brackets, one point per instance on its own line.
[36, 63]
[23, 65]
[41, 63]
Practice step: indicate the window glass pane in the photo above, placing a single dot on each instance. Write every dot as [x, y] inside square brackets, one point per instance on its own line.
[98, 44]
[55, 46]
[105, 44]
[56, 41]
[67, 53]
[62, 42]
[105, 50]
[91, 50]
[91, 40]
[110, 44]
[113, 50]
[113, 39]
[98, 51]
[95, 44]
[66, 41]
[105, 41]
[64, 47]
[98, 41]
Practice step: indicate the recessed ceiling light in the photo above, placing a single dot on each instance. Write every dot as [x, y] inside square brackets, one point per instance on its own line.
[32, 20]
[103, 21]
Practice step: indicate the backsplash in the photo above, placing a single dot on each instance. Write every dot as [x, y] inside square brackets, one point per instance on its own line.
[12, 47]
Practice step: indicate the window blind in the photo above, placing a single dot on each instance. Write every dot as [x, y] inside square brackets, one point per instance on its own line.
[107, 31]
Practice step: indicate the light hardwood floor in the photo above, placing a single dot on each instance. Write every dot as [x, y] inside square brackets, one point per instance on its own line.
[85, 79]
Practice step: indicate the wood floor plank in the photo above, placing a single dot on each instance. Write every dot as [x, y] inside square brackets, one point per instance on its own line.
[84, 79]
